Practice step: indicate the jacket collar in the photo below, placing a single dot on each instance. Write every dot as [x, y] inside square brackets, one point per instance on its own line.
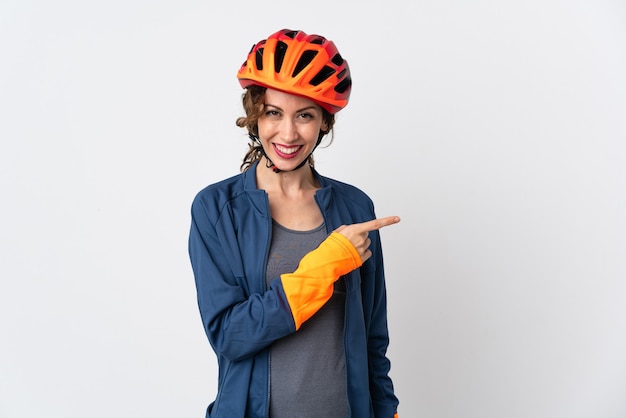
[258, 197]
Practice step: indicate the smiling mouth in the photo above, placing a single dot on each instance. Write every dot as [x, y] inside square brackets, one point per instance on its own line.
[287, 152]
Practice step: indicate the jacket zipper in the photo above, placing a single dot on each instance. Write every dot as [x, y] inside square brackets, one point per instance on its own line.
[264, 269]
[345, 343]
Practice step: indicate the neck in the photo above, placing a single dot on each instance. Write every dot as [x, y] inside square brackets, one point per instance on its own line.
[285, 181]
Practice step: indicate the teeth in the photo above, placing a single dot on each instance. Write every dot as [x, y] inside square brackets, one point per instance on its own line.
[286, 150]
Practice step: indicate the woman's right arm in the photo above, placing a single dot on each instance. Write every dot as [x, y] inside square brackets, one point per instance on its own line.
[239, 323]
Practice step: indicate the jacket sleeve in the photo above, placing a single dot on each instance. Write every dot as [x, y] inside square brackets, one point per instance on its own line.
[240, 323]
[384, 401]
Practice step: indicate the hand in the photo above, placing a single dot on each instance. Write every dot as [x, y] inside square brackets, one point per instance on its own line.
[358, 234]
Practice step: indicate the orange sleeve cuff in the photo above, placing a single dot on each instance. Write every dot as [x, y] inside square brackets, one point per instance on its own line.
[309, 287]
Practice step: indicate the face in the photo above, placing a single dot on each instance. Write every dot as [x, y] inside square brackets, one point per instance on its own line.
[289, 128]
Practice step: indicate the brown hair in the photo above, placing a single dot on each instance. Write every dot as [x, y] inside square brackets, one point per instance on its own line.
[253, 101]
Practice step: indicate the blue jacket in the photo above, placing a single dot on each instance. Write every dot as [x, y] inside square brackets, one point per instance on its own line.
[228, 246]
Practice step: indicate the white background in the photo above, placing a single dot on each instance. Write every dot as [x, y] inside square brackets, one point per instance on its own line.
[496, 130]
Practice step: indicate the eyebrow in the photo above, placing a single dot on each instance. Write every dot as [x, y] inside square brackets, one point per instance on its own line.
[297, 111]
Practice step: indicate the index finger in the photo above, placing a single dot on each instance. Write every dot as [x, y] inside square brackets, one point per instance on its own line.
[375, 224]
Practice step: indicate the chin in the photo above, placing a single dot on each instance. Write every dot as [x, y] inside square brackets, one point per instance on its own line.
[289, 166]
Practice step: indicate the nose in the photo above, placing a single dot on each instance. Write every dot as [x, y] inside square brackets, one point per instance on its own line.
[288, 130]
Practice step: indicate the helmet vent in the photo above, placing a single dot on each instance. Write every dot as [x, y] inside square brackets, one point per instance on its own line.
[319, 40]
[343, 85]
[305, 59]
[279, 55]
[322, 75]
[337, 59]
[259, 59]
[291, 34]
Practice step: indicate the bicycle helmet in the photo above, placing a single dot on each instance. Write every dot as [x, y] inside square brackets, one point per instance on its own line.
[297, 63]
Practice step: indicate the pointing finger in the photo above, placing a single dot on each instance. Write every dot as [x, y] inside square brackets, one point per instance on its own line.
[375, 224]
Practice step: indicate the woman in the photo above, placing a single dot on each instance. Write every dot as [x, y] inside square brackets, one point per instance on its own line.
[288, 263]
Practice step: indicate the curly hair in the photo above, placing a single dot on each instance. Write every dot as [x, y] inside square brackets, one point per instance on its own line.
[253, 100]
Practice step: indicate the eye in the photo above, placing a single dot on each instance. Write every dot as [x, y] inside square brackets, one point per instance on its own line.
[306, 115]
[271, 113]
